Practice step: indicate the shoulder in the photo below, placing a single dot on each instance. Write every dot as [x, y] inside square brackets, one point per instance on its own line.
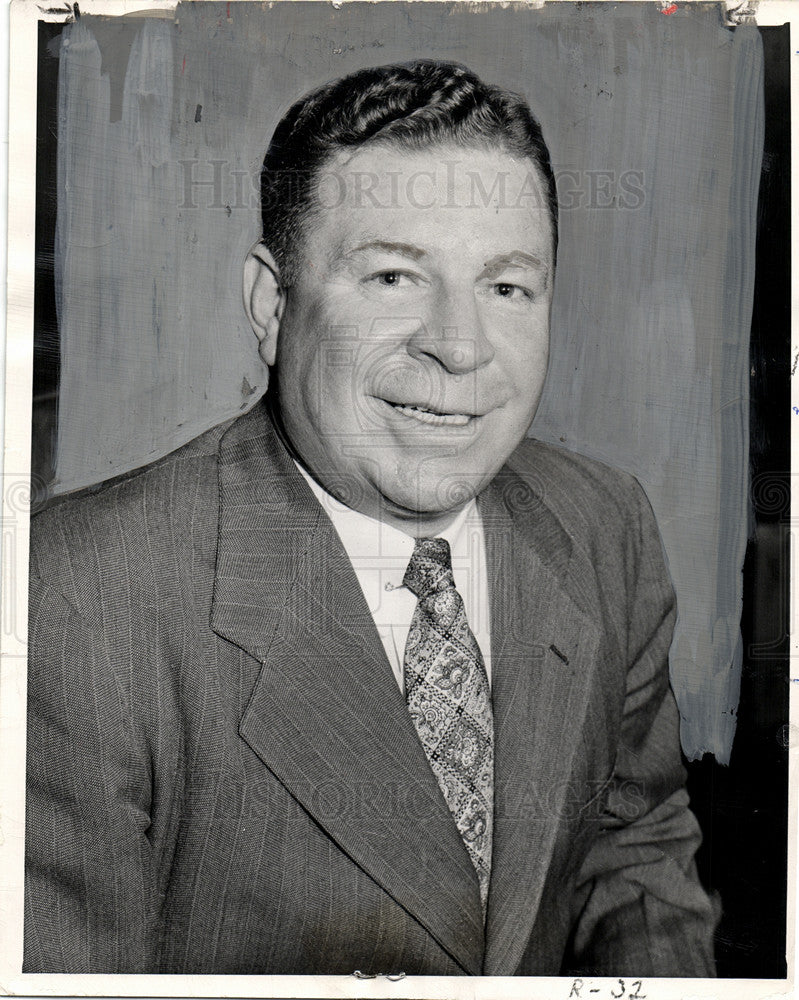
[579, 490]
[599, 514]
[598, 520]
[154, 510]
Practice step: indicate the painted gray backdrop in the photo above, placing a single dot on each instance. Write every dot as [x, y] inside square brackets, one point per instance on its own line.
[655, 126]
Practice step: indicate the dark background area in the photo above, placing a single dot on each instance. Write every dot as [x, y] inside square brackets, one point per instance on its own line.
[46, 354]
[742, 808]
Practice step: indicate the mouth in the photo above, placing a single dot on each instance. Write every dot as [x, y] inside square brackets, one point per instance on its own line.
[435, 418]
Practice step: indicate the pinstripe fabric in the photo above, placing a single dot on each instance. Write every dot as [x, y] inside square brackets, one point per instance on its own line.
[211, 790]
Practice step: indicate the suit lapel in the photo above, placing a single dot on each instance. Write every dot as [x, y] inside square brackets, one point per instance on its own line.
[326, 715]
[543, 647]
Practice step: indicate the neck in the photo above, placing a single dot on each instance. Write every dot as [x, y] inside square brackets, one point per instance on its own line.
[417, 524]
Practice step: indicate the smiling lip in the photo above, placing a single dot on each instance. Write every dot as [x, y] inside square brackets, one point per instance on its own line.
[435, 418]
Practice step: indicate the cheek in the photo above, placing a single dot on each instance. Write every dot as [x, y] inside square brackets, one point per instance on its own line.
[337, 341]
[525, 356]
[309, 355]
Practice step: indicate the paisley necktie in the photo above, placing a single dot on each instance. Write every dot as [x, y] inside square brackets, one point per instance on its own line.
[446, 687]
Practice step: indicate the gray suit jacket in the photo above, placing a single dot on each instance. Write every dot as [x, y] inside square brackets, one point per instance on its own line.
[223, 775]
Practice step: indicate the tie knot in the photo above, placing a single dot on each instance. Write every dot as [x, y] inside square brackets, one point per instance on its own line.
[430, 568]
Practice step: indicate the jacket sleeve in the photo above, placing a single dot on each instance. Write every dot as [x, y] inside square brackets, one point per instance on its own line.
[639, 907]
[90, 898]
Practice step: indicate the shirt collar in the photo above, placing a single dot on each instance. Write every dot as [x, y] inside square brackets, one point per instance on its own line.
[372, 544]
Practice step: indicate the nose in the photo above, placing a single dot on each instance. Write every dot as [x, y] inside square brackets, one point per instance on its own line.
[456, 336]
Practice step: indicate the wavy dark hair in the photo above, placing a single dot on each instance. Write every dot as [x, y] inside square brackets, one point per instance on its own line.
[411, 106]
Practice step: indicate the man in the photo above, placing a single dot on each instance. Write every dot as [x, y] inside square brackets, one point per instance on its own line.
[358, 681]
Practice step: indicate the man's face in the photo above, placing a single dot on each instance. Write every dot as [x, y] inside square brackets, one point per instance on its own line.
[413, 346]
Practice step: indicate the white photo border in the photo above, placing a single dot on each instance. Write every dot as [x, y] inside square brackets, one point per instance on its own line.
[22, 118]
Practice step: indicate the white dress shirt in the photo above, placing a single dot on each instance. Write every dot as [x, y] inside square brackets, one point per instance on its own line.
[380, 553]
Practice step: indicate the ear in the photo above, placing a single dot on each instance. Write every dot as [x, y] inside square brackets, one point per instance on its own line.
[264, 299]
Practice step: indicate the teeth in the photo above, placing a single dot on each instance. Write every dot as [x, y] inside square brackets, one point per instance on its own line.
[440, 419]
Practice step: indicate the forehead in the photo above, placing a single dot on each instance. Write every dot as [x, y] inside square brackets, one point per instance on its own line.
[445, 195]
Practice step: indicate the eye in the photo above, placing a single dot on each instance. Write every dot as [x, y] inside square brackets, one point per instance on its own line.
[505, 290]
[391, 279]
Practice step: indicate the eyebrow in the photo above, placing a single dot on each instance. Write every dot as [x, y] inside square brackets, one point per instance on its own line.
[387, 246]
[516, 258]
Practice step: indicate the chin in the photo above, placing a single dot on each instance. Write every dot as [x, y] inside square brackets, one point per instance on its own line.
[436, 495]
